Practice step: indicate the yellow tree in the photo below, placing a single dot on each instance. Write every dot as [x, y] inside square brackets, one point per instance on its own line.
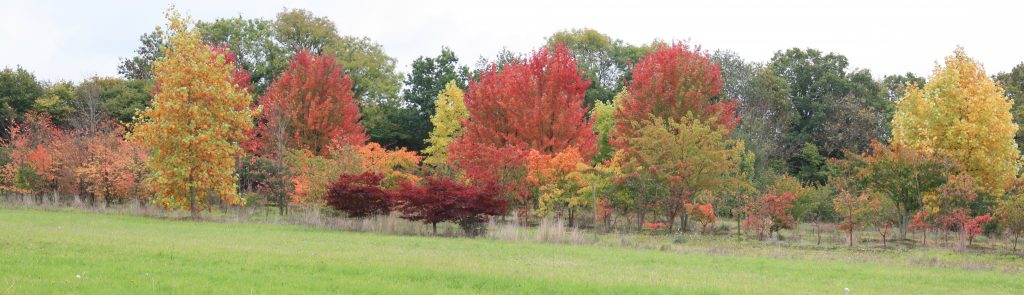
[962, 113]
[447, 120]
[198, 117]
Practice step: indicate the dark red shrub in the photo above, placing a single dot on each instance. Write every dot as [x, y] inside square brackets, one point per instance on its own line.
[440, 200]
[359, 195]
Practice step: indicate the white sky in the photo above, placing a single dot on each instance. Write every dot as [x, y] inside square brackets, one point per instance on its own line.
[72, 40]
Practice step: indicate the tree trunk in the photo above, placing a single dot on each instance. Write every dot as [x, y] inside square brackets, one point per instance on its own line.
[817, 230]
[738, 226]
[434, 225]
[850, 233]
[192, 203]
[1015, 237]
[903, 226]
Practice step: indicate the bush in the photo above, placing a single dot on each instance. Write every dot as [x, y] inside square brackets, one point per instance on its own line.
[440, 200]
[359, 195]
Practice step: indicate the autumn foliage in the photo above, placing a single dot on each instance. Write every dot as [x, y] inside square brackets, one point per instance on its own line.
[359, 195]
[671, 82]
[309, 106]
[443, 200]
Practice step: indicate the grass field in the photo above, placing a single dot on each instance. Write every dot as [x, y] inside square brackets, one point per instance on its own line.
[80, 252]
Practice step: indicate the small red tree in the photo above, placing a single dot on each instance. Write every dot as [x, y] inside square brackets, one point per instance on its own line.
[670, 82]
[443, 200]
[854, 211]
[359, 195]
[973, 226]
[704, 213]
[308, 106]
[769, 213]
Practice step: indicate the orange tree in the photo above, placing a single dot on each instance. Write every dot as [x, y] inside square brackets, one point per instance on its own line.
[200, 113]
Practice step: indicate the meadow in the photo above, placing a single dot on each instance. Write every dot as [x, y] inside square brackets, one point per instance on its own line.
[77, 251]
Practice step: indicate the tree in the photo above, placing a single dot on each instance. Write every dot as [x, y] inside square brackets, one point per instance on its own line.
[604, 61]
[360, 195]
[140, 66]
[447, 121]
[534, 104]
[1013, 87]
[1010, 214]
[443, 200]
[962, 113]
[555, 180]
[702, 158]
[951, 207]
[854, 210]
[199, 115]
[669, 83]
[18, 92]
[428, 78]
[768, 116]
[603, 114]
[32, 165]
[253, 40]
[768, 212]
[826, 97]
[310, 105]
[903, 175]
[57, 102]
[299, 30]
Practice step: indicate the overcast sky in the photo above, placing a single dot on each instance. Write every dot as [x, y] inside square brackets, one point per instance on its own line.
[72, 40]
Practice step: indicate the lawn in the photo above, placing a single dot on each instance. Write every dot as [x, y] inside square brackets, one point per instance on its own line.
[80, 252]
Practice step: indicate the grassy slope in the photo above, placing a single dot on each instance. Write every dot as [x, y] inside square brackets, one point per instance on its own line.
[42, 252]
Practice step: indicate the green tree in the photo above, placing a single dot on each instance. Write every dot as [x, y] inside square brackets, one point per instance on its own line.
[253, 40]
[603, 115]
[428, 78]
[299, 29]
[606, 62]
[57, 102]
[1013, 87]
[18, 92]
[140, 66]
[905, 176]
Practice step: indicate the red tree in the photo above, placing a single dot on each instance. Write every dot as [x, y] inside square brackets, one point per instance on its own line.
[359, 195]
[768, 212]
[531, 104]
[671, 81]
[441, 200]
[308, 106]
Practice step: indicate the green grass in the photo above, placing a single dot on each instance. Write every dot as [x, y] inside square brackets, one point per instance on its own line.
[42, 252]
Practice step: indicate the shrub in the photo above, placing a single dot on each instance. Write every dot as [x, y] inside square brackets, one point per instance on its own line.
[359, 195]
[440, 200]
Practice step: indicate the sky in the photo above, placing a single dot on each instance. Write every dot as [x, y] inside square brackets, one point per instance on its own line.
[73, 40]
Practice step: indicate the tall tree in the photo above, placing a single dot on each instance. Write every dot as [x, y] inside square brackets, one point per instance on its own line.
[299, 30]
[447, 122]
[1013, 87]
[904, 175]
[309, 106]
[140, 66]
[428, 78]
[604, 61]
[253, 40]
[961, 112]
[671, 82]
[534, 104]
[823, 93]
[200, 112]
[18, 92]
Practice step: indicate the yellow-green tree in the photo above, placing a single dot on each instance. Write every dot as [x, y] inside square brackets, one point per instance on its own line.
[447, 120]
[198, 116]
[962, 113]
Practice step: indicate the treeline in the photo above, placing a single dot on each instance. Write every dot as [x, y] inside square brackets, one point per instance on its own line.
[288, 112]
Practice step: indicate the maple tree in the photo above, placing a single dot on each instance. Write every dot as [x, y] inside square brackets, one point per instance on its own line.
[198, 117]
[310, 105]
[671, 82]
[904, 175]
[556, 181]
[962, 113]
[951, 207]
[702, 158]
[536, 103]
[1010, 214]
[33, 160]
[450, 111]
[853, 210]
[360, 195]
[444, 200]
[704, 213]
[768, 213]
